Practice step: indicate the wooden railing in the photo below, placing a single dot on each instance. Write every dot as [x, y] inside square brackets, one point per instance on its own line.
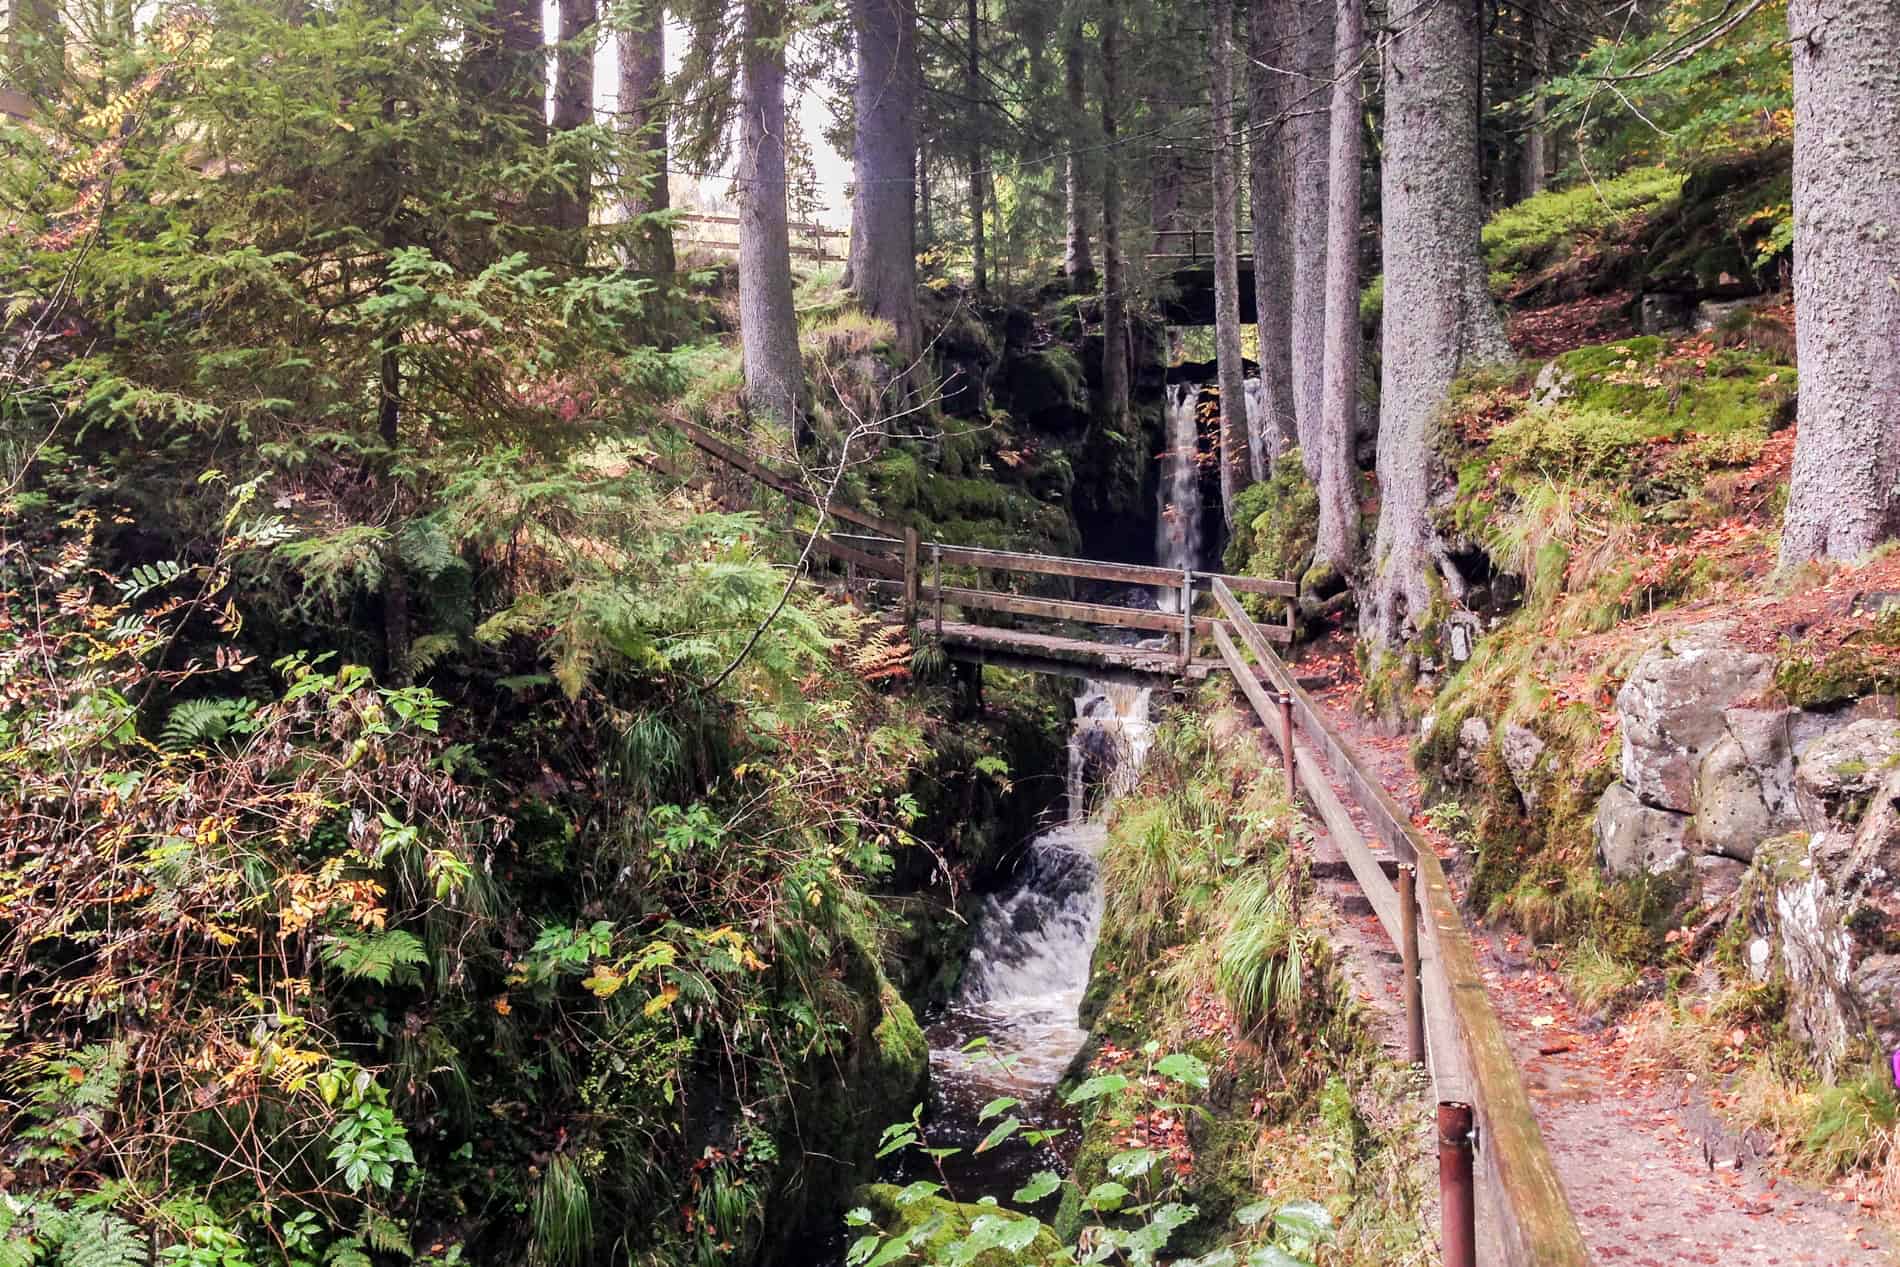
[889, 560]
[1464, 1043]
[809, 240]
[1187, 245]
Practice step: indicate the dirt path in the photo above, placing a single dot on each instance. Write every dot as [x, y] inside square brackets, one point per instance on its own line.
[1649, 1175]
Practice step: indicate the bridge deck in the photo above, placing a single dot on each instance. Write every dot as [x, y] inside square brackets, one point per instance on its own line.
[1023, 649]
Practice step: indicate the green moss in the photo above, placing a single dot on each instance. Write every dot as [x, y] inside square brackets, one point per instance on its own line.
[938, 1223]
[1847, 673]
[1543, 229]
[1047, 381]
[1276, 524]
[1372, 301]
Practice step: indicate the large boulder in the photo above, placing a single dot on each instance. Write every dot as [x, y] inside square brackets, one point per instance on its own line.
[1672, 709]
[1637, 839]
[1744, 789]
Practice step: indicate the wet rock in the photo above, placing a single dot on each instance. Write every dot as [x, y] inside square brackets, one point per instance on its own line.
[1672, 709]
[1633, 838]
[1815, 954]
[1523, 755]
[1838, 773]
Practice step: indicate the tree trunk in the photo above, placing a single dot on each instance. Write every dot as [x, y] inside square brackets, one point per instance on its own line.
[1338, 543]
[1236, 469]
[1313, 52]
[1270, 187]
[973, 87]
[1440, 318]
[1115, 368]
[927, 231]
[1536, 150]
[36, 50]
[1078, 262]
[507, 59]
[574, 108]
[884, 238]
[768, 325]
[1841, 500]
[644, 115]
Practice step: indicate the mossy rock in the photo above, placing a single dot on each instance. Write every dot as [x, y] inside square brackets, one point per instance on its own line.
[1276, 525]
[1048, 387]
[937, 1223]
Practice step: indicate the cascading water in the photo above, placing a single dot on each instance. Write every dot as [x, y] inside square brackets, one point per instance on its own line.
[1178, 518]
[1029, 962]
[1256, 430]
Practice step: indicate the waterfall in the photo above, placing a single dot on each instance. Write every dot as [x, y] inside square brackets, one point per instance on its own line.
[1178, 519]
[1257, 424]
[1029, 959]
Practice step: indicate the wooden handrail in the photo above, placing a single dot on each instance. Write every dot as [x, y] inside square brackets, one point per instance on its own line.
[1113, 615]
[1471, 1060]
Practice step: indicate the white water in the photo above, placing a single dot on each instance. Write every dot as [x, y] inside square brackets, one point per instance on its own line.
[1178, 517]
[1256, 428]
[1029, 955]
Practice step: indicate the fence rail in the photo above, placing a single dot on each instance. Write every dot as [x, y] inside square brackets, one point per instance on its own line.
[1468, 1056]
[809, 240]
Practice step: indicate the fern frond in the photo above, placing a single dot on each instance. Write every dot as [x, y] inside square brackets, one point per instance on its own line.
[392, 956]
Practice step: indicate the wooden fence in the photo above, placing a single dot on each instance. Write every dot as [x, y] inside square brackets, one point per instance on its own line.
[1464, 1044]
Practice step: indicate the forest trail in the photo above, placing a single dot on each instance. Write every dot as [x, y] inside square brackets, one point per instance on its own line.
[1651, 1177]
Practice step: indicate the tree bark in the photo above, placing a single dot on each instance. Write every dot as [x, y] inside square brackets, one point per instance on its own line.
[644, 115]
[1236, 469]
[973, 87]
[1115, 353]
[1313, 52]
[507, 61]
[768, 325]
[1078, 262]
[1536, 151]
[884, 238]
[1440, 316]
[1338, 540]
[1841, 501]
[1270, 190]
[36, 50]
[574, 108]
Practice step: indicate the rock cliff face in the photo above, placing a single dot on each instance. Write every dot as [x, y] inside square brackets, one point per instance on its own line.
[1723, 791]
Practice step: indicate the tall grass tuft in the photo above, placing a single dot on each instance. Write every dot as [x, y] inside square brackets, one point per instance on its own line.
[563, 1214]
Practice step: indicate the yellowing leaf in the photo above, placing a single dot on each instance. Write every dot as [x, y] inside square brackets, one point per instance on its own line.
[661, 1001]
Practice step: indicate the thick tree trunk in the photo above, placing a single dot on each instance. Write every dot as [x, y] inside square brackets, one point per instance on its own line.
[1115, 367]
[1236, 469]
[574, 107]
[1270, 189]
[926, 229]
[884, 223]
[1841, 500]
[36, 49]
[1313, 51]
[1536, 151]
[768, 325]
[1338, 543]
[1078, 262]
[973, 87]
[644, 115]
[1440, 318]
[508, 61]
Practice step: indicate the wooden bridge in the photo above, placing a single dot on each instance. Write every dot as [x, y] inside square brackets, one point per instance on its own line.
[1497, 1185]
[941, 587]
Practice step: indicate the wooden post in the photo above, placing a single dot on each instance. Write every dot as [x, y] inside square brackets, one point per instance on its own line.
[1456, 1197]
[910, 576]
[936, 567]
[1286, 742]
[1414, 995]
[1187, 619]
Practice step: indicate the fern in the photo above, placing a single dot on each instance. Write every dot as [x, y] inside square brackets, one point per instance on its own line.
[199, 723]
[103, 1240]
[384, 958]
[147, 577]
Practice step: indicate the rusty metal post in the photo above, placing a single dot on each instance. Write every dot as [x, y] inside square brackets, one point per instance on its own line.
[1286, 742]
[910, 576]
[1414, 995]
[1457, 1197]
[1187, 619]
[936, 582]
